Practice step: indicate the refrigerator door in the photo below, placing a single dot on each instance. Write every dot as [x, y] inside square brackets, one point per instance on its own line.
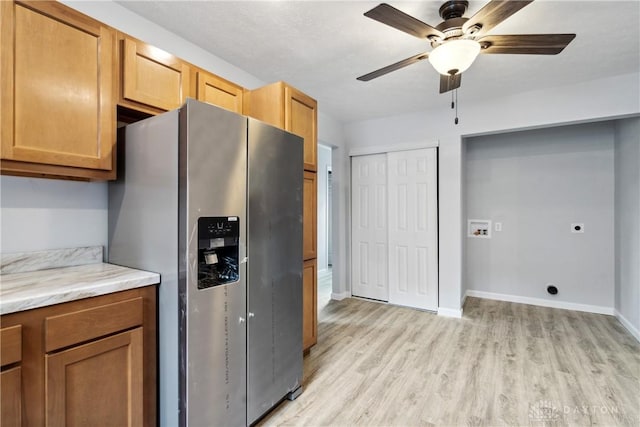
[213, 153]
[274, 284]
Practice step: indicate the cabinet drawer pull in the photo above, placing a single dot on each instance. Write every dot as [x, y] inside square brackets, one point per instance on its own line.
[73, 328]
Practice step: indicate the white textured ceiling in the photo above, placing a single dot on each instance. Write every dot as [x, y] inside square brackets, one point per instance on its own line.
[321, 47]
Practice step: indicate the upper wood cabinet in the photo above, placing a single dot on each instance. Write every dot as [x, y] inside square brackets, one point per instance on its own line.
[218, 91]
[57, 85]
[152, 80]
[286, 107]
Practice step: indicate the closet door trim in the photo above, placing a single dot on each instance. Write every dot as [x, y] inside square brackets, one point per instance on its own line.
[384, 149]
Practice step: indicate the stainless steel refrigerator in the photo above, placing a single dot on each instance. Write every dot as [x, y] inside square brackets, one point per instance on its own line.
[212, 200]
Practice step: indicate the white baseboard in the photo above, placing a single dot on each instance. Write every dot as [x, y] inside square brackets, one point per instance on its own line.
[450, 312]
[632, 329]
[340, 296]
[542, 302]
[464, 298]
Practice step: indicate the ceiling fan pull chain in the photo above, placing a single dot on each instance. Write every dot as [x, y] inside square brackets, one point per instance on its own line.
[452, 103]
[456, 91]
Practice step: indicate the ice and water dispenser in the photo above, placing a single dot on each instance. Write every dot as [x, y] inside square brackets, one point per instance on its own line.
[218, 251]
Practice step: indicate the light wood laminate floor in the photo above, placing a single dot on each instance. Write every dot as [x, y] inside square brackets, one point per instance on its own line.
[502, 364]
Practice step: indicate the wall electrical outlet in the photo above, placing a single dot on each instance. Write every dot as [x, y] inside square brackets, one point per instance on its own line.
[498, 226]
[577, 227]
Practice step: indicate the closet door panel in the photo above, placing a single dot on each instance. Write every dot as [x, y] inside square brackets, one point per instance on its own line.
[369, 227]
[413, 276]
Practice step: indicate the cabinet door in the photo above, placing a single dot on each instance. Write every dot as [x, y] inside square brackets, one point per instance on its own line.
[11, 397]
[152, 77]
[11, 377]
[309, 215]
[99, 383]
[57, 85]
[309, 304]
[218, 91]
[301, 117]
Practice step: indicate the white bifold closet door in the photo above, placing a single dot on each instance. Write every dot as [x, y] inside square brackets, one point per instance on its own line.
[369, 227]
[413, 239]
[409, 238]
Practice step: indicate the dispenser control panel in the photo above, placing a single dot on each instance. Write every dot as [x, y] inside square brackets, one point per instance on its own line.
[222, 228]
[218, 251]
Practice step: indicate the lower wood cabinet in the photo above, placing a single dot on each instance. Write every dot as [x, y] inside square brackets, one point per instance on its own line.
[309, 216]
[309, 304]
[88, 362]
[11, 376]
[109, 367]
[11, 397]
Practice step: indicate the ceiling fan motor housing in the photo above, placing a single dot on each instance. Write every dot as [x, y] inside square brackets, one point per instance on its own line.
[453, 9]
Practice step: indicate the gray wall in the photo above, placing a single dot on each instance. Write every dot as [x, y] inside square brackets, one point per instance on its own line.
[39, 214]
[536, 183]
[627, 219]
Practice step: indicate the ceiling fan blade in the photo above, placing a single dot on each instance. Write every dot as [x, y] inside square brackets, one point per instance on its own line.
[494, 13]
[450, 82]
[389, 68]
[531, 44]
[391, 16]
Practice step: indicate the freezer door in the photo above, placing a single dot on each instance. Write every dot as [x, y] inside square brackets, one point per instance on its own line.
[274, 283]
[212, 195]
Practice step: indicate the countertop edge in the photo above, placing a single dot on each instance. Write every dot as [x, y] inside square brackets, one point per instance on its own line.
[125, 279]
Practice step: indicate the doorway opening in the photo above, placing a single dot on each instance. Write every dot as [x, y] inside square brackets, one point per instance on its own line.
[324, 225]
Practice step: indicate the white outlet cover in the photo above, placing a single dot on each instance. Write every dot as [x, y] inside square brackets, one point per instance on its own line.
[577, 227]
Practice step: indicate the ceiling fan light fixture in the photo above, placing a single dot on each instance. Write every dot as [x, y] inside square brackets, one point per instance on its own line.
[455, 56]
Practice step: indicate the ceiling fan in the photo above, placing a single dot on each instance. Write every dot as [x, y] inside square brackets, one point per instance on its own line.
[457, 40]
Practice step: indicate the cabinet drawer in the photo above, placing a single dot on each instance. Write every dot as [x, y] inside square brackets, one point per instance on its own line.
[10, 345]
[76, 327]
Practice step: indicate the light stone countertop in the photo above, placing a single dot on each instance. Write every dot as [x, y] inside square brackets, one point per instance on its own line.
[26, 290]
